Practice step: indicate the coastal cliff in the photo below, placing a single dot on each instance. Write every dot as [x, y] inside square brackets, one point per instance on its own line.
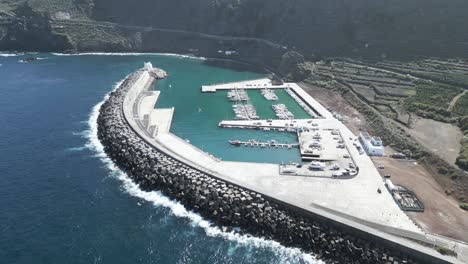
[253, 31]
[396, 28]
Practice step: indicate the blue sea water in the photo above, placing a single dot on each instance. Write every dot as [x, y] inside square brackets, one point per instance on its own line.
[62, 200]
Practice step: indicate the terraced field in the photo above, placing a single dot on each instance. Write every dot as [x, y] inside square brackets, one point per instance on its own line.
[430, 88]
[384, 89]
[432, 100]
[446, 102]
[452, 71]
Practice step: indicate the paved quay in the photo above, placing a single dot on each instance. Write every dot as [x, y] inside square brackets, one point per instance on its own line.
[162, 119]
[250, 84]
[354, 202]
[147, 102]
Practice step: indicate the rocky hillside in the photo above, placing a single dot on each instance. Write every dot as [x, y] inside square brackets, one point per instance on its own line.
[322, 27]
[395, 28]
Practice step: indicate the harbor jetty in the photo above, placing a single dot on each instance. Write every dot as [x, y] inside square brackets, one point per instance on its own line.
[329, 235]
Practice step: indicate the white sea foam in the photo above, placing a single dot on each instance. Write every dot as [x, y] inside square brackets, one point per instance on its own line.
[285, 254]
[8, 55]
[76, 149]
[84, 134]
[130, 54]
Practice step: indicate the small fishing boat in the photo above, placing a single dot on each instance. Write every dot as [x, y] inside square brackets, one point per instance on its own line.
[235, 142]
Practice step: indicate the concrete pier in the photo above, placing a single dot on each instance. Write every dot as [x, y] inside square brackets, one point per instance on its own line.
[245, 85]
[162, 119]
[147, 101]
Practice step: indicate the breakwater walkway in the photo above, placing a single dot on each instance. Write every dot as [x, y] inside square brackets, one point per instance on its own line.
[260, 206]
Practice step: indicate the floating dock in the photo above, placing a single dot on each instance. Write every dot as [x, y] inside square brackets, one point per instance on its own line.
[269, 94]
[271, 144]
[282, 112]
[238, 95]
[245, 112]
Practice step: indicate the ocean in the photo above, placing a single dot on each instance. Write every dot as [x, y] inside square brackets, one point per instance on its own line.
[63, 201]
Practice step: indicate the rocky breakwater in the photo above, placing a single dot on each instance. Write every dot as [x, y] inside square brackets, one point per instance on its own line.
[223, 203]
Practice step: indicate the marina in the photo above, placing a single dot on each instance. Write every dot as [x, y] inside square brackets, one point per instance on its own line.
[339, 182]
[332, 172]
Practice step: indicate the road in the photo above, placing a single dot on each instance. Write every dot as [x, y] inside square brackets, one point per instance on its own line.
[83, 22]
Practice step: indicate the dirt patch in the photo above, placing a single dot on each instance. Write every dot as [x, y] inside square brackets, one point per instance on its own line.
[334, 102]
[442, 214]
[441, 138]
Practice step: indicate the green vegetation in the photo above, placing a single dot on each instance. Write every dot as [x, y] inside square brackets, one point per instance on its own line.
[464, 206]
[434, 94]
[445, 251]
[382, 89]
[378, 117]
[432, 100]
[453, 72]
[461, 107]
[449, 78]
[462, 160]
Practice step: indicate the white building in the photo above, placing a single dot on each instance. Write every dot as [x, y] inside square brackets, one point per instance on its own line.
[148, 66]
[372, 145]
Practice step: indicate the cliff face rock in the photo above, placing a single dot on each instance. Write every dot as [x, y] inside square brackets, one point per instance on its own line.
[392, 28]
[292, 66]
[31, 31]
[85, 6]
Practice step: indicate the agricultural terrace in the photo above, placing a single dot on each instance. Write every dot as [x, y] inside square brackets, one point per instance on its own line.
[384, 89]
[454, 71]
[461, 106]
[432, 100]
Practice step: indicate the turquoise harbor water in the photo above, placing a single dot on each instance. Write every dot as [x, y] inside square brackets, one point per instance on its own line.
[61, 200]
[197, 114]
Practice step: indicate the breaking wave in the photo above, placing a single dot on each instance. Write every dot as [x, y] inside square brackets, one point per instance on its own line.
[285, 254]
[130, 54]
[8, 55]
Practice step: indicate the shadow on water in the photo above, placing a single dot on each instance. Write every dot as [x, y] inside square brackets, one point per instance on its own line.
[235, 65]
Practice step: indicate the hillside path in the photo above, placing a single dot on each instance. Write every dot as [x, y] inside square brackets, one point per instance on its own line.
[455, 100]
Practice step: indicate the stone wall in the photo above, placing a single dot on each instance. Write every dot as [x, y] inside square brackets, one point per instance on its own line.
[232, 206]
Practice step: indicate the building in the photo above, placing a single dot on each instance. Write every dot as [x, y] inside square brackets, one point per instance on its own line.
[372, 145]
